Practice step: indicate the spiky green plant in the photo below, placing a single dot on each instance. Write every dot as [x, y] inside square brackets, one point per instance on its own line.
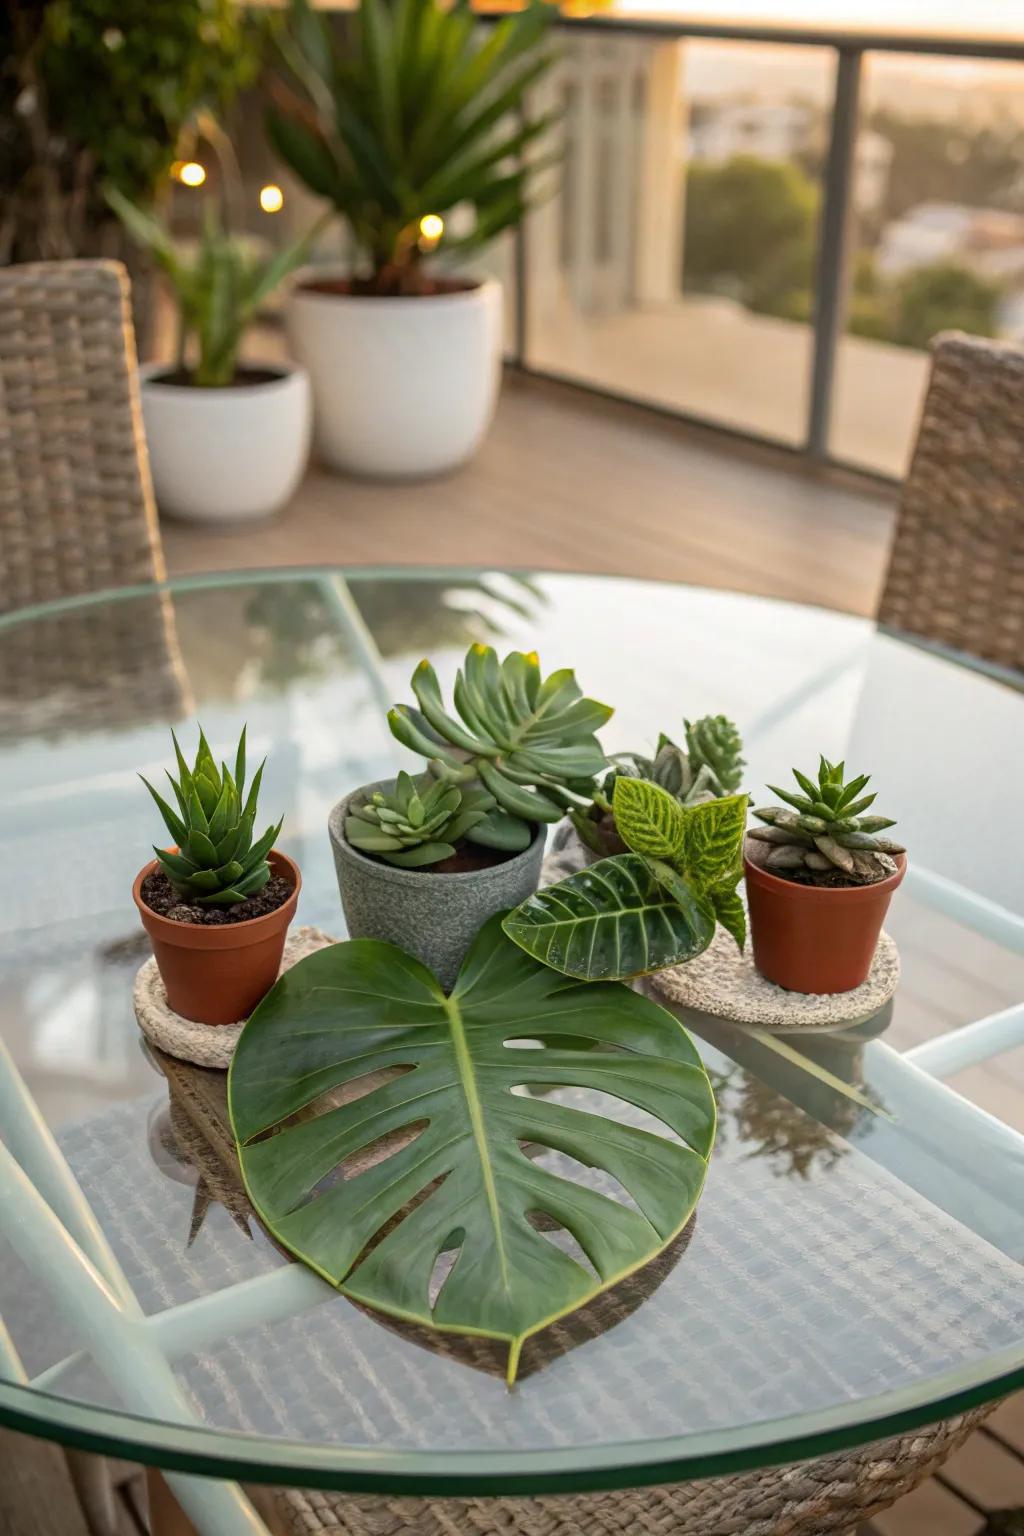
[823, 829]
[707, 768]
[528, 741]
[217, 863]
[408, 112]
[420, 822]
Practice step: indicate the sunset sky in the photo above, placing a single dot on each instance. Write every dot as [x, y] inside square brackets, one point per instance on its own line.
[996, 18]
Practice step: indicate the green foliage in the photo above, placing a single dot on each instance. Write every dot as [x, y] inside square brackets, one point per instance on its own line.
[751, 231]
[100, 92]
[912, 310]
[529, 741]
[419, 823]
[413, 113]
[710, 765]
[217, 863]
[654, 906]
[218, 288]
[823, 829]
[463, 1184]
[942, 297]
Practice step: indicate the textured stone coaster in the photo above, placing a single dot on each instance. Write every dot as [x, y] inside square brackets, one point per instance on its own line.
[725, 983]
[207, 1045]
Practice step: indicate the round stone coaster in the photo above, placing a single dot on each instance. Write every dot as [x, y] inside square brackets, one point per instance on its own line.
[725, 983]
[207, 1045]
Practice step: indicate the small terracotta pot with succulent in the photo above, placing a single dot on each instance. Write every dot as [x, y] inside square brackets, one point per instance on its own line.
[819, 881]
[216, 905]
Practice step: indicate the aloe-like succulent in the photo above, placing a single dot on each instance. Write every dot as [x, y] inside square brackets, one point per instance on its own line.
[527, 740]
[709, 767]
[217, 864]
[823, 830]
[420, 822]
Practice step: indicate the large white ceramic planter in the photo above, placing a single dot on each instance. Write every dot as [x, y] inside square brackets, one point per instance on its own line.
[402, 387]
[226, 455]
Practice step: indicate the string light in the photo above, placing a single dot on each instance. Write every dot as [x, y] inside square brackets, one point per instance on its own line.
[271, 198]
[432, 227]
[192, 174]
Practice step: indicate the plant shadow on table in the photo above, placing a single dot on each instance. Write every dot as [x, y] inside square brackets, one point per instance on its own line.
[191, 1142]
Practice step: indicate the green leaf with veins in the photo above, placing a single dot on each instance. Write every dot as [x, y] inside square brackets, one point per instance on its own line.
[648, 818]
[452, 1176]
[616, 919]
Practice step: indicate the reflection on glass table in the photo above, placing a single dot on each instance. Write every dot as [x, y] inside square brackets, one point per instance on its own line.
[852, 1269]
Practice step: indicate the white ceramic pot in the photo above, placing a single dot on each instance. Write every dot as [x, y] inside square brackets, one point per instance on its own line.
[402, 387]
[226, 455]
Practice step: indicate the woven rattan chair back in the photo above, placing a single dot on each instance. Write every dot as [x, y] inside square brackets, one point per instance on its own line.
[956, 574]
[76, 502]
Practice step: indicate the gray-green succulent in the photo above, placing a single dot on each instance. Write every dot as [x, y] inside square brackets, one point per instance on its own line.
[708, 767]
[528, 741]
[823, 830]
[420, 822]
[217, 864]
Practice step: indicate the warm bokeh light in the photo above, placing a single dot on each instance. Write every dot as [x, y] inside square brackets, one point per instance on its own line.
[432, 227]
[271, 198]
[192, 174]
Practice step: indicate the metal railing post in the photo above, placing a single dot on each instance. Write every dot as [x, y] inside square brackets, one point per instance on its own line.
[835, 243]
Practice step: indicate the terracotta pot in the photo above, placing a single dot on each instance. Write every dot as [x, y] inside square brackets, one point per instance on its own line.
[217, 975]
[812, 938]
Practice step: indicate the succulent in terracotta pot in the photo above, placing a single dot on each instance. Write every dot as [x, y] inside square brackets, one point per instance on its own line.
[217, 904]
[819, 878]
[424, 862]
[708, 767]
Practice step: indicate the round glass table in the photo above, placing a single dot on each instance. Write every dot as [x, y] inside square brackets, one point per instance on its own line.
[853, 1269]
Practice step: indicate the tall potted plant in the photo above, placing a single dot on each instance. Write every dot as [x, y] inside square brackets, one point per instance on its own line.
[228, 441]
[411, 116]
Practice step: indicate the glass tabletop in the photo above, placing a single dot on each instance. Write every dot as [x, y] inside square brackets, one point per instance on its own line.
[854, 1265]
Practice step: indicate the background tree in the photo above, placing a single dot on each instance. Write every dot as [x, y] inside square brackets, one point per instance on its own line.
[751, 232]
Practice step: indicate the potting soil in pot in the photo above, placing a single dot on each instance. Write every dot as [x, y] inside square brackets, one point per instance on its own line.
[160, 896]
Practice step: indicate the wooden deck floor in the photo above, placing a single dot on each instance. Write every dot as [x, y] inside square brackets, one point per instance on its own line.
[569, 482]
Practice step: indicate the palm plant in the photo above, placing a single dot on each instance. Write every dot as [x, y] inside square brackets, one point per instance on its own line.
[218, 288]
[411, 114]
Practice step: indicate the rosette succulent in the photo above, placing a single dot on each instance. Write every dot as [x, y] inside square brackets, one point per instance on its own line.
[822, 831]
[216, 863]
[709, 767]
[420, 822]
[527, 740]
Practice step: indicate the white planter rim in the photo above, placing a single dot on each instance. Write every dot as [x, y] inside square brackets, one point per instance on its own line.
[284, 372]
[393, 301]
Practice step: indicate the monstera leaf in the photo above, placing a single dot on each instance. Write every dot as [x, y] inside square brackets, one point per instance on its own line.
[455, 1175]
[656, 906]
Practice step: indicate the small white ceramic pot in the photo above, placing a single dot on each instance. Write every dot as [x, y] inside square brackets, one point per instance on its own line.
[226, 455]
[402, 387]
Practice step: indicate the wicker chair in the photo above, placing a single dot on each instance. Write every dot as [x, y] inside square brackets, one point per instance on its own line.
[76, 503]
[77, 513]
[956, 575]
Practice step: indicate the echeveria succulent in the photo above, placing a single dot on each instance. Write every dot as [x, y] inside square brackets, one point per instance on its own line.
[420, 822]
[527, 740]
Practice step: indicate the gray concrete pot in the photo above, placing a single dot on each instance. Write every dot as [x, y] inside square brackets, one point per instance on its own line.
[434, 917]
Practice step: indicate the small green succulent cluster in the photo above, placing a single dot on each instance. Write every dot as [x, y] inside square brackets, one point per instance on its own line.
[419, 823]
[709, 767]
[524, 740]
[217, 863]
[826, 830]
